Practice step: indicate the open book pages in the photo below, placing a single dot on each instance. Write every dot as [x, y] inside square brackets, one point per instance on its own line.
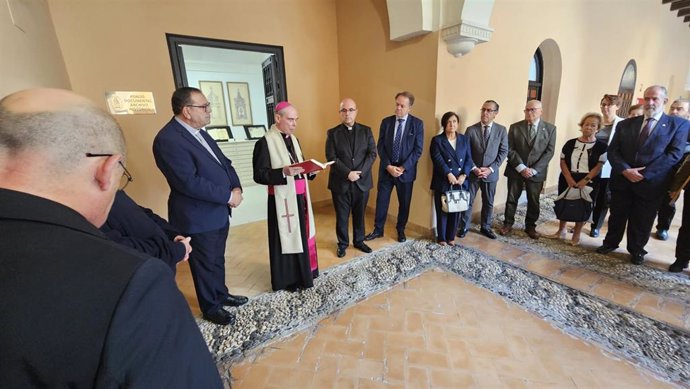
[312, 165]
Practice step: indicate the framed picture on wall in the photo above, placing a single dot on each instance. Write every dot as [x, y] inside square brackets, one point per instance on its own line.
[240, 105]
[255, 132]
[219, 133]
[213, 90]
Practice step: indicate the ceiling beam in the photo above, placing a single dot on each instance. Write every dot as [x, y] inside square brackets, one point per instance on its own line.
[684, 11]
[680, 5]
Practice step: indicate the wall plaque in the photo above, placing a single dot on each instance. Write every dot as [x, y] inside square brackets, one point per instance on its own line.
[130, 103]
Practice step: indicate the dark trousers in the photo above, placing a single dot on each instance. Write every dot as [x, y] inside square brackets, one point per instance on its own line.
[353, 201]
[207, 263]
[385, 187]
[683, 241]
[666, 214]
[515, 188]
[628, 208]
[601, 204]
[488, 192]
[446, 223]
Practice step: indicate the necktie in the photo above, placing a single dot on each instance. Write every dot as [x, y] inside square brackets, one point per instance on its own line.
[203, 142]
[532, 132]
[486, 134]
[396, 142]
[644, 134]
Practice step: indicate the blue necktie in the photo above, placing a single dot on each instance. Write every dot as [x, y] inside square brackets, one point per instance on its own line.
[396, 142]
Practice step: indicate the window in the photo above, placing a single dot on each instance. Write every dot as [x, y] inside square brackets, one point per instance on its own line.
[626, 89]
[536, 77]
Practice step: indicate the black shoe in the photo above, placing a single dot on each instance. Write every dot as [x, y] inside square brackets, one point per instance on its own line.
[594, 233]
[461, 233]
[340, 252]
[532, 233]
[678, 266]
[488, 233]
[235, 301]
[662, 234]
[362, 247]
[220, 317]
[401, 236]
[637, 259]
[605, 249]
[374, 234]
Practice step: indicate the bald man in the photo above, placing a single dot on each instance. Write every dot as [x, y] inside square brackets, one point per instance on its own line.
[77, 309]
[351, 145]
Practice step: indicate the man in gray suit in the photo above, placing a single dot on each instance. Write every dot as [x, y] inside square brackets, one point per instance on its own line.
[489, 144]
[531, 145]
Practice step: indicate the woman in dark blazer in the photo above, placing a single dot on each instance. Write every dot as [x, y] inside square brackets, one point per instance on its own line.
[450, 153]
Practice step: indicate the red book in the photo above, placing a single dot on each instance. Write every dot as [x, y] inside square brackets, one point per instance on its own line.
[312, 165]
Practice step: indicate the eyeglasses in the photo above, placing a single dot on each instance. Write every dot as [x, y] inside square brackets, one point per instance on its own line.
[532, 109]
[126, 176]
[346, 110]
[205, 107]
[488, 110]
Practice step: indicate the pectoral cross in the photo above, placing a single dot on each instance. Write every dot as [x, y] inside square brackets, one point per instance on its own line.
[288, 215]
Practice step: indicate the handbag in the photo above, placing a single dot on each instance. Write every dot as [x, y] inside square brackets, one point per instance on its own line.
[455, 200]
[572, 209]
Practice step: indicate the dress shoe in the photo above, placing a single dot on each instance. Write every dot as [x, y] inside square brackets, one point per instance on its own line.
[362, 247]
[506, 230]
[401, 237]
[594, 232]
[605, 249]
[637, 259]
[340, 252]
[235, 301]
[662, 234]
[220, 317]
[461, 233]
[488, 233]
[532, 233]
[374, 234]
[678, 266]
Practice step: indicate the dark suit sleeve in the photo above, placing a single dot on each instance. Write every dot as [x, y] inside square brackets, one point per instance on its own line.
[371, 152]
[264, 174]
[514, 159]
[153, 341]
[541, 164]
[179, 168]
[467, 158]
[170, 230]
[381, 145]
[418, 146]
[340, 169]
[441, 168]
[502, 150]
[614, 154]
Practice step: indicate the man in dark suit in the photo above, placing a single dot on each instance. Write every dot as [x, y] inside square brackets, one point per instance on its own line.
[642, 155]
[140, 228]
[489, 146]
[79, 310]
[351, 145]
[531, 145]
[204, 188]
[400, 144]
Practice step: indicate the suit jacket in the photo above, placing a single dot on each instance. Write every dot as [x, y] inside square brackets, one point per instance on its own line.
[81, 311]
[139, 228]
[199, 186]
[493, 153]
[536, 156]
[339, 149]
[411, 146]
[661, 151]
[448, 160]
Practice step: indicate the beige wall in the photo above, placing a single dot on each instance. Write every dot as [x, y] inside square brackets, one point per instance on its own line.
[373, 69]
[30, 56]
[120, 45]
[596, 40]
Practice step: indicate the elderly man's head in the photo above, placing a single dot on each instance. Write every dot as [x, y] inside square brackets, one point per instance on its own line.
[60, 146]
[680, 108]
[286, 118]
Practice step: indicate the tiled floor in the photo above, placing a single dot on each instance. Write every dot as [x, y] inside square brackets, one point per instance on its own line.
[394, 339]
